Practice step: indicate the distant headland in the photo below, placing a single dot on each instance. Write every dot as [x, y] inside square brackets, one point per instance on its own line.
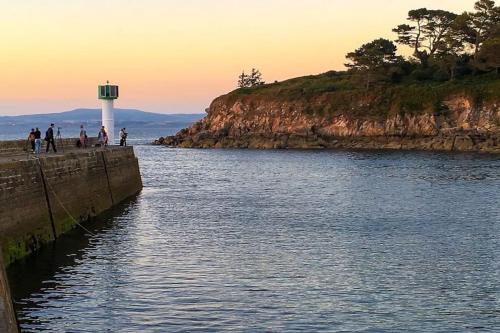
[446, 96]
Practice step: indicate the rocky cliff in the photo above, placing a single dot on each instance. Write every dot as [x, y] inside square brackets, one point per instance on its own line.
[454, 121]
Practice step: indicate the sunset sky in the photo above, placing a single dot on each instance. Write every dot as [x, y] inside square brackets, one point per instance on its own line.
[175, 56]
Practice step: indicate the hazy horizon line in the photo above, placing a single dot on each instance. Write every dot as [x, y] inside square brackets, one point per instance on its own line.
[85, 108]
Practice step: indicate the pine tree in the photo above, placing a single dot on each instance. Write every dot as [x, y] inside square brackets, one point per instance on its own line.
[252, 80]
[431, 26]
[373, 58]
[482, 24]
[243, 80]
[256, 78]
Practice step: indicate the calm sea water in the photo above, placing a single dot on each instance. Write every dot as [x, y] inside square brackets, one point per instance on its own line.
[281, 241]
[139, 133]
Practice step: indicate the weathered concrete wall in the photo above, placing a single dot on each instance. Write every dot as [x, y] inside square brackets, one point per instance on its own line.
[7, 316]
[40, 198]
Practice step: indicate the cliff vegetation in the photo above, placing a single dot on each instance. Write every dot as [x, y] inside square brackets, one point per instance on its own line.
[445, 96]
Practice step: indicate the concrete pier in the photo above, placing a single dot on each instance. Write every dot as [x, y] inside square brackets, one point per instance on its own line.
[44, 196]
[7, 316]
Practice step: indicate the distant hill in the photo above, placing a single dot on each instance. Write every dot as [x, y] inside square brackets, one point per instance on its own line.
[94, 115]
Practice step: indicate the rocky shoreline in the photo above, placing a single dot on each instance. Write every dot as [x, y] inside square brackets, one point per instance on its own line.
[459, 123]
[466, 142]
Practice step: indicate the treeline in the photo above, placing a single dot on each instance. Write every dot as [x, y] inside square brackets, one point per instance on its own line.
[445, 46]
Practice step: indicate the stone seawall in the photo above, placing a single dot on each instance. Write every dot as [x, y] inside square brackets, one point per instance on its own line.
[7, 316]
[41, 199]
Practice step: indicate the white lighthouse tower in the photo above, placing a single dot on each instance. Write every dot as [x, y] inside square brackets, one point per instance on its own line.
[108, 93]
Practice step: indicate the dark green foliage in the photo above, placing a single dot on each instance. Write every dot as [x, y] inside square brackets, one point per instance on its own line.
[420, 97]
[453, 55]
[428, 32]
[480, 25]
[373, 55]
[446, 46]
[411, 95]
[303, 87]
[441, 75]
[423, 74]
[373, 61]
[254, 79]
[489, 56]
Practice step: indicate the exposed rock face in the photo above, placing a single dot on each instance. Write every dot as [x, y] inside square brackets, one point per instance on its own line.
[247, 122]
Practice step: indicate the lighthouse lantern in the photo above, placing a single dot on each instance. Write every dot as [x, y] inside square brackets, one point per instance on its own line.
[107, 94]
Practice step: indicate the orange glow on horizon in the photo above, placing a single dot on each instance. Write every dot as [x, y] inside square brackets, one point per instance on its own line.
[176, 56]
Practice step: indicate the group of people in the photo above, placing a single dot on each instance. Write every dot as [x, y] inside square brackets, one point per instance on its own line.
[102, 137]
[35, 138]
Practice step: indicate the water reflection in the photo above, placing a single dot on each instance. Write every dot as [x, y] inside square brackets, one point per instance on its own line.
[271, 241]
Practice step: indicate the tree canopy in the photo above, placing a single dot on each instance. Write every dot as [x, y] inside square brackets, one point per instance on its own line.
[373, 57]
[445, 46]
[429, 29]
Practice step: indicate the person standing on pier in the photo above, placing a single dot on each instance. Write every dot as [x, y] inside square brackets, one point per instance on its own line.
[31, 139]
[103, 137]
[123, 137]
[38, 141]
[49, 137]
[83, 137]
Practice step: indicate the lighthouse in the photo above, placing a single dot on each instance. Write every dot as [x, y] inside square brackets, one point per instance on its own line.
[107, 94]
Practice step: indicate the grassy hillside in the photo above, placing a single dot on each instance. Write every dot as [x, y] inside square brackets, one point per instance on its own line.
[335, 92]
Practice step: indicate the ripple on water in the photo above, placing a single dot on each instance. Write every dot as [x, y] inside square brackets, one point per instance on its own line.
[273, 241]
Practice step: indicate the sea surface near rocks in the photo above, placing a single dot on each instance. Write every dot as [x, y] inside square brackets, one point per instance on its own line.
[281, 241]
